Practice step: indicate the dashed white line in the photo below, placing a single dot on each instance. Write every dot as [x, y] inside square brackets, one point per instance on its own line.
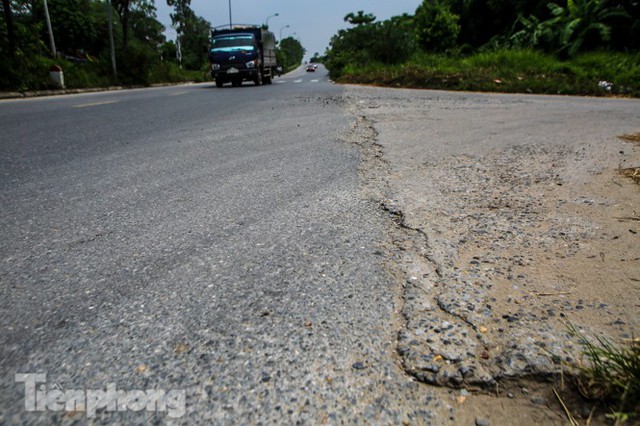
[298, 81]
[94, 104]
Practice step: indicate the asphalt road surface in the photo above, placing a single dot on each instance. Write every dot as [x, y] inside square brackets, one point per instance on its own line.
[209, 245]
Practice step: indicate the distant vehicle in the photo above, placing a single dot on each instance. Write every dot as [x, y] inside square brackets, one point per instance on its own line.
[311, 68]
[242, 53]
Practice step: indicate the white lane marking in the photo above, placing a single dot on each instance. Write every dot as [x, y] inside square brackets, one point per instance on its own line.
[315, 81]
[178, 93]
[297, 81]
[95, 104]
[280, 82]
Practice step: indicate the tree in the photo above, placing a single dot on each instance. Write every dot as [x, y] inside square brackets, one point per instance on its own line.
[82, 37]
[193, 34]
[290, 52]
[181, 12]
[21, 26]
[583, 24]
[122, 8]
[360, 18]
[625, 32]
[482, 20]
[389, 42]
[351, 46]
[194, 42]
[532, 33]
[394, 41]
[316, 58]
[145, 26]
[74, 24]
[11, 34]
[436, 26]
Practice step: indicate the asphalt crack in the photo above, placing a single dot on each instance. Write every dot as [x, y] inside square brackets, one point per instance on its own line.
[446, 332]
[414, 266]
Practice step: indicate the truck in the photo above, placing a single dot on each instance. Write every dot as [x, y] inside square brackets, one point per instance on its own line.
[242, 53]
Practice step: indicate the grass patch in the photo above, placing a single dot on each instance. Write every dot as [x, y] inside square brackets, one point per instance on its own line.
[611, 375]
[509, 71]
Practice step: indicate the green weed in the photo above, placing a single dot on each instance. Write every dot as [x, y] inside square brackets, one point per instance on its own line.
[611, 375]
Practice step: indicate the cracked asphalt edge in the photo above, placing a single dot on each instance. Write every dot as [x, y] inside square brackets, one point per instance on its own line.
[437, 344]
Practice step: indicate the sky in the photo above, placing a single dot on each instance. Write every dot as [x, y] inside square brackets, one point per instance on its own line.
[313, 23]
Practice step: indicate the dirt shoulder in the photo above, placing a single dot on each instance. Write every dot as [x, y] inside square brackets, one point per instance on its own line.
[516, 221]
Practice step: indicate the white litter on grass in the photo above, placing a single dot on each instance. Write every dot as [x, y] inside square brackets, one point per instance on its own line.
[606, 85]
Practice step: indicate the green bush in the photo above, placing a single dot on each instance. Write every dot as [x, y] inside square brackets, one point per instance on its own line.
[92, 73]
[436, 26]
[34, 73]
[170, 72]
[388, 42]
[516, 71]
[134, 64]
[97, 72]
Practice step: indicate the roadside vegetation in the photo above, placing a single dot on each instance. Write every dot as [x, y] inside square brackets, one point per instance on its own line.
[610, 376]
[290, 53]
[587, 47]
[81, 45]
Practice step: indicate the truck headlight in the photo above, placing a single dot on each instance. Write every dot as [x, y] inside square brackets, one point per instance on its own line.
[251, 64]
[215, 67]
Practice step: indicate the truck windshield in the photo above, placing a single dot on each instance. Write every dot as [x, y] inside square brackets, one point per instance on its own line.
[226, 43]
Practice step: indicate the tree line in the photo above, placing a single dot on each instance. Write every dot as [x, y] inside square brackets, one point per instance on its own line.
[460, 27]
[81, 35]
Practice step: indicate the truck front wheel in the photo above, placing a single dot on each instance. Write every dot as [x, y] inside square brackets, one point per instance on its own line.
[258, 79]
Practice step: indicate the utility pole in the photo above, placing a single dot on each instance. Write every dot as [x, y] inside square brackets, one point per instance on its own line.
[111, 44]
[51, 41]
[230, 21]
[179, 51]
